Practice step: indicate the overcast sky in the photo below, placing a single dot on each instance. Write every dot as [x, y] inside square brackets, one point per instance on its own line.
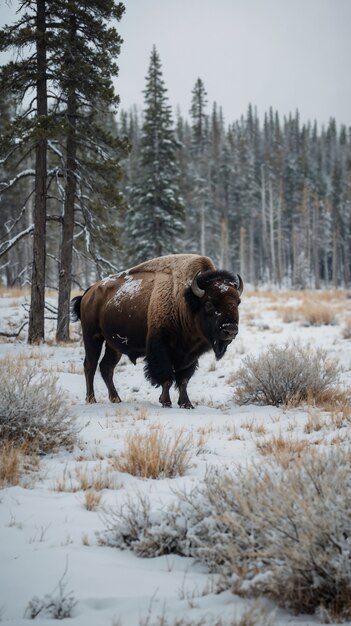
[286, 54]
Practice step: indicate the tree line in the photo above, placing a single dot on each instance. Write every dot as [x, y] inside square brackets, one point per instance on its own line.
[86, 191]
[270, 198]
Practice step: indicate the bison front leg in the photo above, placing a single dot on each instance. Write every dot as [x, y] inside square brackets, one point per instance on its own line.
[159, 368]
[165, 397]
[182, 380]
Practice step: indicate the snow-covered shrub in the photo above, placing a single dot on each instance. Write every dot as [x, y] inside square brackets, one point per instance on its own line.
[33, 410]
[288, 533]
[58, 606]
[286, 375]
[148, 533]
[155, 453]
[285, 532]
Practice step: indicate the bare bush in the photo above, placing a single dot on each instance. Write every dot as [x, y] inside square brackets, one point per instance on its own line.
[287, 534]
[59, 606]
[155, 454]
[33, 411]
[286, 375]
[280, 532]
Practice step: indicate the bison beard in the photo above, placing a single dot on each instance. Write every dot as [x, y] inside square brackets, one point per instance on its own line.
[169, 310]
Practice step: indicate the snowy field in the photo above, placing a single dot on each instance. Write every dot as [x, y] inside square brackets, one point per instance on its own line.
[48, 535]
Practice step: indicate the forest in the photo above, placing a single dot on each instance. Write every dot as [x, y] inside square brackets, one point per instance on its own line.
[88, 188]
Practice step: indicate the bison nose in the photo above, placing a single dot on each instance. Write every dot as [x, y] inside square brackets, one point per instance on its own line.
[229, 331]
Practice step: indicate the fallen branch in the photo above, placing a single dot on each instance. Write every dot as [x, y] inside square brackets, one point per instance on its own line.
[16, 333]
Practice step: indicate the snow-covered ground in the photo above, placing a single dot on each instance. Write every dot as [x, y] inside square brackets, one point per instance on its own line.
[47, 535]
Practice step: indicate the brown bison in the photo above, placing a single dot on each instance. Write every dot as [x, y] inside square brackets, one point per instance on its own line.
[169, 310]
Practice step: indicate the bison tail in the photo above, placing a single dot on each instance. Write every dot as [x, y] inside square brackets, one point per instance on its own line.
[75, 308]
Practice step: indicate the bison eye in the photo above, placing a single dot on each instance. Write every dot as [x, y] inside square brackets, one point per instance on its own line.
[209, 308]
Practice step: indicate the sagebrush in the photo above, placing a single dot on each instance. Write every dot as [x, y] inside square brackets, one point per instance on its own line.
[285, 532]
[33, 410]
[286, 375]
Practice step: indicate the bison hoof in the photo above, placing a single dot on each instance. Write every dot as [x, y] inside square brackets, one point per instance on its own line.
[115, 400]
[90, 400]
[167, 404]
[186, 405]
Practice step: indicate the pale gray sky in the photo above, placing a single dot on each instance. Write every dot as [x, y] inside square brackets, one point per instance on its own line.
[286, 54]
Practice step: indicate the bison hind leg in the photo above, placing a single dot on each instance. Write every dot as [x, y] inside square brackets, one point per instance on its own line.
[107, 366]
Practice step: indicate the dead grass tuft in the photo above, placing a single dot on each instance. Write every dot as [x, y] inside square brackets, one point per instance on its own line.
[16, 461]
[11, 462]
[155, 454]
[92, 500]
[283, 449]
[316, 314]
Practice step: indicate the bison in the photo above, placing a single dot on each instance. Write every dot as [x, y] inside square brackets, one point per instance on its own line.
[170, 310]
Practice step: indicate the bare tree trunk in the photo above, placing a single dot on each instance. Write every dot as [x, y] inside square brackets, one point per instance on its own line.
[315, 243]
[224, 244]
[279, 239]
[65, 268]
[36, 330]
[271, 231]
[335, 260]
[242, 251]
[263, 219]
[202, 229]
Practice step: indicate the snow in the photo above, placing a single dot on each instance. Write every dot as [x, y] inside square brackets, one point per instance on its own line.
[46, 533]
[129, 288]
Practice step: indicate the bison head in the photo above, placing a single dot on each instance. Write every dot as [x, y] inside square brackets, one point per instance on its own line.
[214, 297]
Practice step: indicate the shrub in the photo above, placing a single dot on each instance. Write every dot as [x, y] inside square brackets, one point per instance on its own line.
[58, 606]
[286, 375]
[155, 454]
[283, 533]
[287, 534]
[33, 411]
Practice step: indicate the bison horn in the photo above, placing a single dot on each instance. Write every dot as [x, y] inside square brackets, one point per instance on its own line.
[239, 284]
[195, 287]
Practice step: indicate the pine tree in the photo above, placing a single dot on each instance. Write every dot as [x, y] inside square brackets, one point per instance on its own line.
[155, 218]
[71, 71]
[197, 219]
[86, 49]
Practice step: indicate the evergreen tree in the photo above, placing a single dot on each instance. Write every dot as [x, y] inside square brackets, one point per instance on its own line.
[70, 69]
[200, 172]
[155, 218]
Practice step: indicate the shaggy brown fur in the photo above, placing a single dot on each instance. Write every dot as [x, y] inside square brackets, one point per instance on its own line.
[151, 310]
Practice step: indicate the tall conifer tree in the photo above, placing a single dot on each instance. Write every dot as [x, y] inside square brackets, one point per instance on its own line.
[155, 219]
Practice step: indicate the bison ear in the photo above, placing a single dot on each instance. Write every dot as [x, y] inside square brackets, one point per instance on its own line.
[239, 284]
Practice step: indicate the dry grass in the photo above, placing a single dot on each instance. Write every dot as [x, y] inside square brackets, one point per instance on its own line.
[283, 449]
[16, 461]
[315, 422]
[92, 500]
[11, 463]
[316, 314]
[346, 331]
[253, 427]
[87, 478]
[155, 454]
